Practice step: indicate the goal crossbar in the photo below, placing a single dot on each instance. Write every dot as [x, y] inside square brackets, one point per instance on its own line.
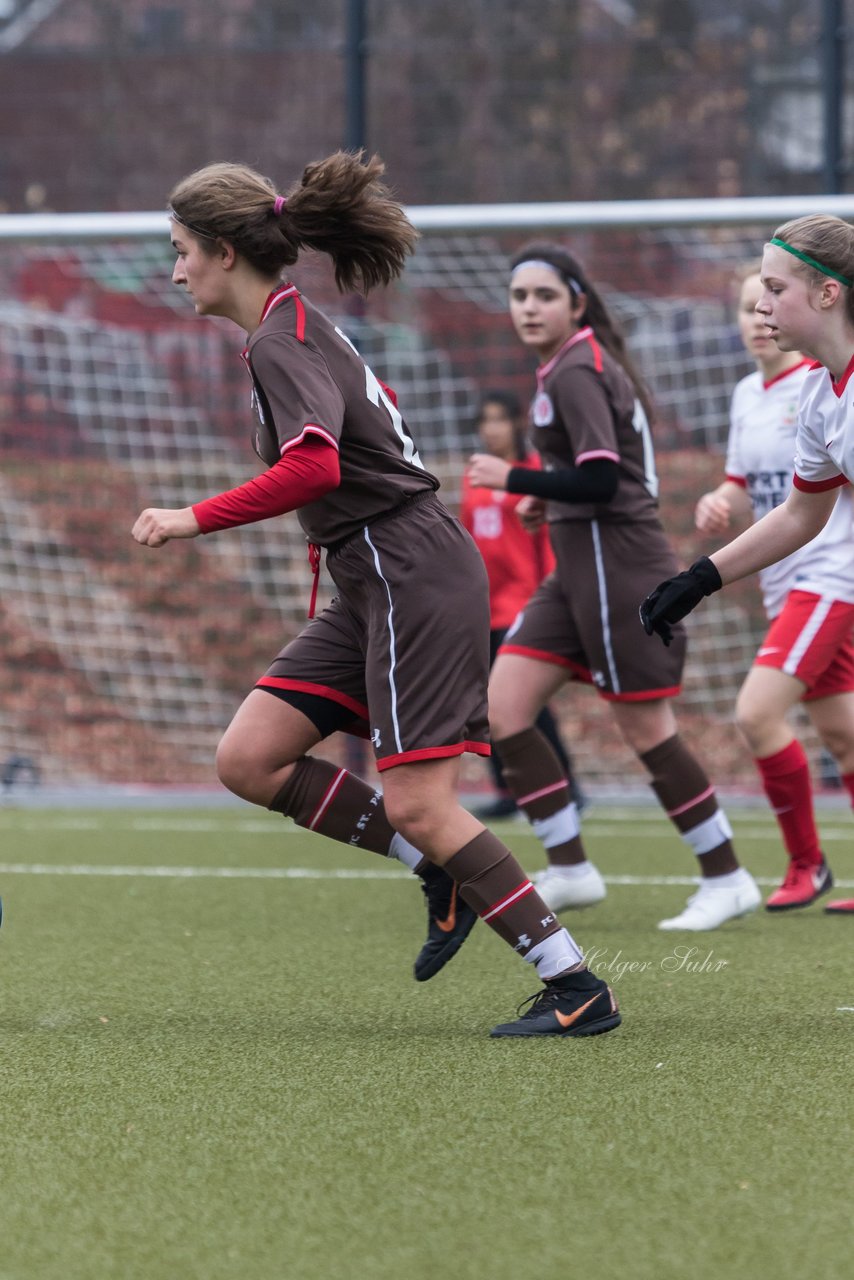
[475, 217]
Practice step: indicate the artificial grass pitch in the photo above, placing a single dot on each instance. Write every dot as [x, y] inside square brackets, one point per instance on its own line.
[214, 1066]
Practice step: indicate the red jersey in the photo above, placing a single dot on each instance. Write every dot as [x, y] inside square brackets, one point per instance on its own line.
[516, 561]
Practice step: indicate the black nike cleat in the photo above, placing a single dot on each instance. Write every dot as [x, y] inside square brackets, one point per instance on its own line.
[579, 1004]
[450, 921]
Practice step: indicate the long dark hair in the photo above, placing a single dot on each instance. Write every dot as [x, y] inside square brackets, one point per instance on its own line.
[596, 314]
[339, 207]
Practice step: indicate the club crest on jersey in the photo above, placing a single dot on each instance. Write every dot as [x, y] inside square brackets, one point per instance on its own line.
[543, 411]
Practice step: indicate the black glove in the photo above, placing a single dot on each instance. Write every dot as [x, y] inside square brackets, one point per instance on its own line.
[673, 599]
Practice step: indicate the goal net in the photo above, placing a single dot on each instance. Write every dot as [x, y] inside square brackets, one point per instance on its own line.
[123, 665]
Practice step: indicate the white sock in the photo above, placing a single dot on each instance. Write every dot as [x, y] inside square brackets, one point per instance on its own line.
[555, 954]
[729, 880]
[708, 835]
[570, 871]
[404, 852]
[559, 828]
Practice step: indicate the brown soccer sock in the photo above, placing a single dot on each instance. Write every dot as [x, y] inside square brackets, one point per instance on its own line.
[688, 798]
[323, 797]
[492, 882]
[540, 787]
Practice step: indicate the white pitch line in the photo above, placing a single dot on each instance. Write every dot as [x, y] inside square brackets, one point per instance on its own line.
[197, 873]
[300, 873]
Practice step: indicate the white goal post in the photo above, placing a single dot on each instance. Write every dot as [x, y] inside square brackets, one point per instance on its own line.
[124, 666]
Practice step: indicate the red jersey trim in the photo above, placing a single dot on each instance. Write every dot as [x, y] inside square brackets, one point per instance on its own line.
[785, 374]
[586, 332]
[818, 486]
[314, 429]
[739, 480]
[319, 690]
[433, 753]
[839, 387]
[278, 295]
[300, 310]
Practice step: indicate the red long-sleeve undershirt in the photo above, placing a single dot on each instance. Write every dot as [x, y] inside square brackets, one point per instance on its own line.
[304, 473]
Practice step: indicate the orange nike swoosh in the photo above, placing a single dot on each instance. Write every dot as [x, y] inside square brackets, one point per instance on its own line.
[567, 1019]
[450, 920]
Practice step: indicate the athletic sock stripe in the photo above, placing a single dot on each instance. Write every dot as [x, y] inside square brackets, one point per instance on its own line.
[682, 808]
[327, 799]
[546, 791]
[503, 903]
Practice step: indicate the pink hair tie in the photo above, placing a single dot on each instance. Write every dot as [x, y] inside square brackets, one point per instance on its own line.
[279, 204]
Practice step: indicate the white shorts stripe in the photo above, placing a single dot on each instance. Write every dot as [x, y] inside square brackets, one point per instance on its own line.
[603, 607]
[807, 635]
[392, 650]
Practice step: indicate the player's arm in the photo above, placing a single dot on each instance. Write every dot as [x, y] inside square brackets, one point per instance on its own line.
[717, 510]
[304, 473]
[595, 480]
[793, 524]
[785, 529]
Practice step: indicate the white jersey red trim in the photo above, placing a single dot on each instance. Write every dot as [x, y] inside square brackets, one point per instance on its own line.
[766, 420]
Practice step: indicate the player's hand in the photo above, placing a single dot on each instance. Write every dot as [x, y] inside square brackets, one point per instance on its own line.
[672, 600]
[487, 472]
[712, 514]
[531, 512]
[155, 526]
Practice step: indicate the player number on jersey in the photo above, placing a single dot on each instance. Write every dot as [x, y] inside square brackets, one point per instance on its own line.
[377, 396]
[640, 422]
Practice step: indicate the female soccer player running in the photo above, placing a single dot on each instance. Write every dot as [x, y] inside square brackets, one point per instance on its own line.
[807, 655]
[403, 648]
[807, 304]
[598, 492]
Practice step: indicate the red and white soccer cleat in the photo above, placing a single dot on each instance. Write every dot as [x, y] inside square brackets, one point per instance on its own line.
[842, 907]
[804, 882]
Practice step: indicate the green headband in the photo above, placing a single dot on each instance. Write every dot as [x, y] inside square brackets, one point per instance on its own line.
[811, 262]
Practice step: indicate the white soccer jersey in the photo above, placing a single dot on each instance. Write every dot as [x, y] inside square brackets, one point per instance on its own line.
[765, 420]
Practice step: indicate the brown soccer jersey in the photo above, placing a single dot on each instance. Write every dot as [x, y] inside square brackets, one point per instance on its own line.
[584, 616]
[309, 379]
[586, 408]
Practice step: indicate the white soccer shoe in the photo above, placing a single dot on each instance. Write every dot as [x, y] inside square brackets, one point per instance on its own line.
[562, 892]
[713, 905]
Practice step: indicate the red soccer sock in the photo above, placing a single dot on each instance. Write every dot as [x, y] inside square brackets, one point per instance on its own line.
[786, 781]
[847, 780]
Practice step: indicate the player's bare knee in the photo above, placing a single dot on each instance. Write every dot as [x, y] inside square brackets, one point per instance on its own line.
[505, 720]
[839, 743]
[413, 817]
[751, 721]
[240, 770]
